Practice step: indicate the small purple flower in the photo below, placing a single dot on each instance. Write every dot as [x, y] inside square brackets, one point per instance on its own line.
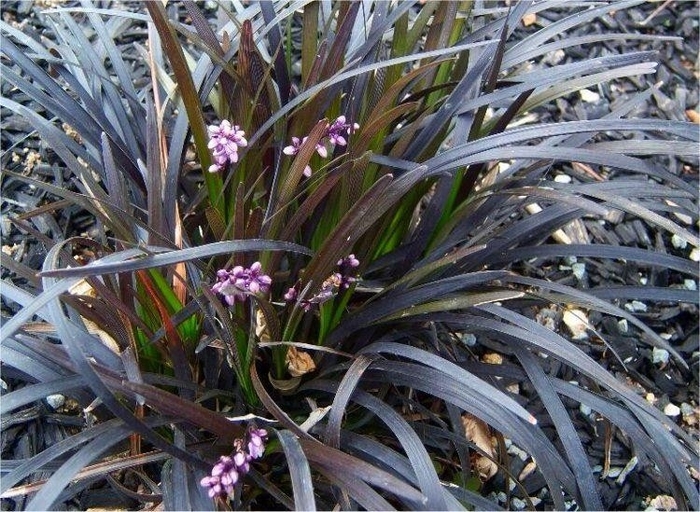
[256, 442]
[224, 476]
[291, 294]
[224, 141]
[294, 148]
[347, 273]
[338, 128]
[237, 283]
[240, 459]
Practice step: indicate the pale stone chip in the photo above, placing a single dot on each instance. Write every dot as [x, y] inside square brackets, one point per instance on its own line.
[577, 322]
[588, 96]
[672, 410]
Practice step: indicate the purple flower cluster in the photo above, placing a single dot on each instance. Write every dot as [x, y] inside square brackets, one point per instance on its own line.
[338, 128]
[225, 140]
[335, 133]
[229, 470]
[235, 284]
[340, 280]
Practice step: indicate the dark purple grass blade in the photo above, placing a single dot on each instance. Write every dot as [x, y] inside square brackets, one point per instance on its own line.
[602, 251]
[281, 76]
[356, 471]
[362, 493]
[397, 300]
[161, 256]
[566, 431]
[299, 471]
[421, 463]
[343, 393]
[453, 389]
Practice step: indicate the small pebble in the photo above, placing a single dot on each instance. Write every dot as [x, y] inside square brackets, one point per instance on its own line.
[636, 307]
[577, 323]
[694, 255]
[562, 178]
[585, 410]
[571, 505]
[55, 401]
[570, 260]
[623, 326]
[518, 504]
[679, 242]
[589, 96]
[514, 450]
[659, 356]
[690, 284]
[579, 270]
[468, 339]
[672, 410]
[687, 409]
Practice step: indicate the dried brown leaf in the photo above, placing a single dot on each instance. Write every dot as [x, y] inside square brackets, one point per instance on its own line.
[479, 433]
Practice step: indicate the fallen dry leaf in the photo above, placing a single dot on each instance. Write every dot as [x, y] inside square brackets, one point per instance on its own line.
[479, 433]
[261, 330]
[299, 362]
[492, 358]
[663, 502]
[529, 468]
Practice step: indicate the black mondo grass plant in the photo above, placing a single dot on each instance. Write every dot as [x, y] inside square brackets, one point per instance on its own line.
[316, 274]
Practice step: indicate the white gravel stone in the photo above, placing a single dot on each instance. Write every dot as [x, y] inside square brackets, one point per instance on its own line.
[623, 325]
[636, 306]
[468, 339]
[579, 270]
[518, 504]
[679, 242]
[589, 96]
[577, 322]
[659, 356]
[672, 410]
[562, 178]
[694, 255]
[690, 284]
[55, 401]
[687, 409]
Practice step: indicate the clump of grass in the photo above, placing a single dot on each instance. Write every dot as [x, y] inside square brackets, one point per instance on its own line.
[325, 252]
